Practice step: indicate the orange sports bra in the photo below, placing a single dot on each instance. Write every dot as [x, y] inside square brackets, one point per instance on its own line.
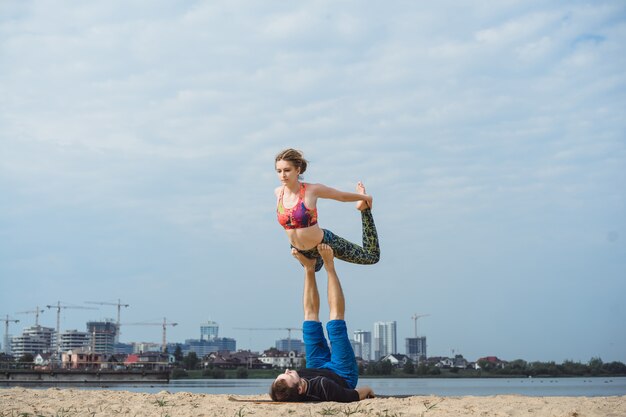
[297, 217]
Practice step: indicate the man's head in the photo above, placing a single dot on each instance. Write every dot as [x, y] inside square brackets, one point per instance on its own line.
[288, 387]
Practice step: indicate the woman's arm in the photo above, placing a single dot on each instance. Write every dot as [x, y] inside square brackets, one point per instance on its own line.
[322, 191]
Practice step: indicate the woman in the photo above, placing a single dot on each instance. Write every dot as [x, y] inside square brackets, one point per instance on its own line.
[297, 213]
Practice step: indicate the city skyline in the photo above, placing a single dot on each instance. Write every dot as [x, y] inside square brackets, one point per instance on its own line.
[207, 328]
[138, 148]
[383, 335]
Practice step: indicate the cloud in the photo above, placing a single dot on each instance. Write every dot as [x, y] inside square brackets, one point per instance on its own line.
[138, 141]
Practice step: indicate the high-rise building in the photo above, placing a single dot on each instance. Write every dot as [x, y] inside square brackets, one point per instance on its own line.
[123, 348]
[384, 339]
[209, 341]
[416, 348]
[205, 347]
[209, 330]
[143, 347]
[227, 344]
[287, 345]
[33, 340]
[365, 340]
[73, 339]
[103, 335]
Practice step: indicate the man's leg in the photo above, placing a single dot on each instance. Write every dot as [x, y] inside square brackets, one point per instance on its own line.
[311, 296]
[336, 299]
[342, 360]
[317, 350]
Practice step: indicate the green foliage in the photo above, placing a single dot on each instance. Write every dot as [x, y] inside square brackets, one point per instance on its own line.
[243, 412]
[273, 351]
[409, 368]
[27, 358]
[386, 413]
[348, 410]
[486, 365]
[386, 368]
[178, 354]
[595, 366]
[178, 373]
[242, 373]
[433, 370]
[160, 402]
[429, 406]
[218, 374]
[423, 369]
[516, 367]
[572, 368]
[614, 368]
[191, 361]
[380, 368]
[543, 368]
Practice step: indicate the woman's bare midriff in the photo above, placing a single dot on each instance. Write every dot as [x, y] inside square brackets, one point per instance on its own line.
[306, 238]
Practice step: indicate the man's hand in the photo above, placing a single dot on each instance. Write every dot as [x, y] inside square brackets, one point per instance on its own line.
[365, 392]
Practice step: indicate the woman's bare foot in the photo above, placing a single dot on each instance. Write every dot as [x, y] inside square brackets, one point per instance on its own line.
[327, 254]
[304, 261]
[363, 204]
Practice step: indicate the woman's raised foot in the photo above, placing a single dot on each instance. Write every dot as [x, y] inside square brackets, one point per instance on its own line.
[363, 204]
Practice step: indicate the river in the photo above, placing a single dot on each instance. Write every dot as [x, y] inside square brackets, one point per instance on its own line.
[534, 387]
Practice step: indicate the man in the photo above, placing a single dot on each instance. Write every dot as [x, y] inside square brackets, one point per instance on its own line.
[329, 376]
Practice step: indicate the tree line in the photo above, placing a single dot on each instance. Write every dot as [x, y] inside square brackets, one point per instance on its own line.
[595, 367]
[519, 367]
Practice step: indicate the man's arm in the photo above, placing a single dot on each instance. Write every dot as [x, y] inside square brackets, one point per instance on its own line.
[331, 391]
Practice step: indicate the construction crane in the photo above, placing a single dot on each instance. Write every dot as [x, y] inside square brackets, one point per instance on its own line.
[119, 307]
[415, 317]
[289, 329]
[7, 320]
[36, 312]
[59, 307]
[164, 324]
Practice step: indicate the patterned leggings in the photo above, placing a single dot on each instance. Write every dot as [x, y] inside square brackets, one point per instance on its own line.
[348, 251]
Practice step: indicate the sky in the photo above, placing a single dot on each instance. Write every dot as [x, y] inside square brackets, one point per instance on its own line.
[137, 145]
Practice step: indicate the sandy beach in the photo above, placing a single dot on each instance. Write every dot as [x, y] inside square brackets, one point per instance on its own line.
[18, 402]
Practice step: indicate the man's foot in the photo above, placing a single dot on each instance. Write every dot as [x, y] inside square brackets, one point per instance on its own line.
[327, 254]
[363, 204]
[304, 261]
